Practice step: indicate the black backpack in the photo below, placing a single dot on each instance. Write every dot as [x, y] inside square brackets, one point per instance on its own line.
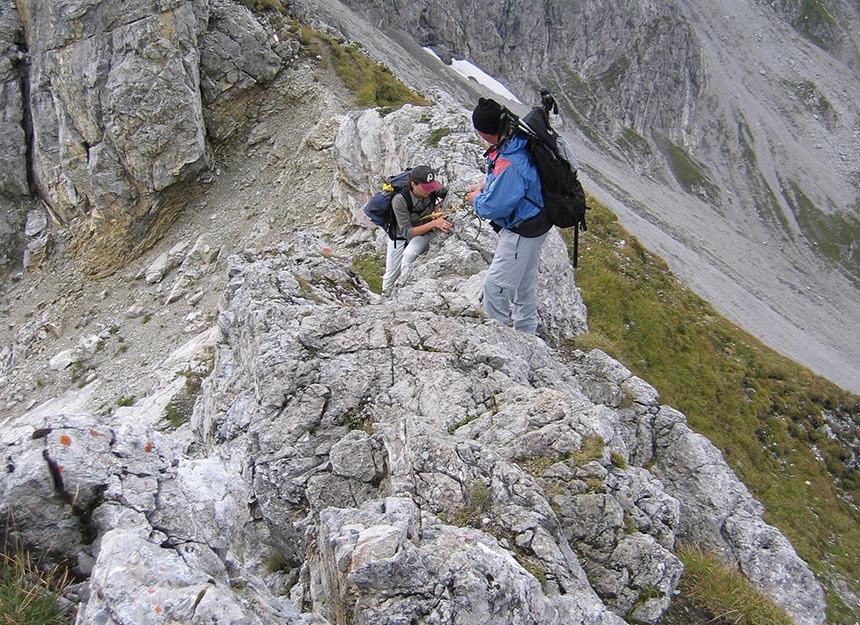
[378, 208]
[563, 196]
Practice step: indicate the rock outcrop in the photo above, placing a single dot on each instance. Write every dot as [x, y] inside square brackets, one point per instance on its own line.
[388, 460]
[13, 142]
[123, 99]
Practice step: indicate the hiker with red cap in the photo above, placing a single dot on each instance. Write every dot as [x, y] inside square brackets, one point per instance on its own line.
[511, 199]
[412, 230]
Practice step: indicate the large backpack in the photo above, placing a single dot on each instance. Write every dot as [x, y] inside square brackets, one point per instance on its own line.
[563, 197]
[378, 208]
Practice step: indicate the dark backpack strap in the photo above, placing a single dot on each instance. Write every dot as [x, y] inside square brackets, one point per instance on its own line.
[391, 230]
[408, 197]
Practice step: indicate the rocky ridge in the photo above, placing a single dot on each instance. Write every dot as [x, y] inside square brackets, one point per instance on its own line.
[321, 442]
[401, 459]
[406, 458]
[722, 135]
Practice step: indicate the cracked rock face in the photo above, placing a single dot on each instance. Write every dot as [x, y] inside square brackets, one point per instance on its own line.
[123, 100]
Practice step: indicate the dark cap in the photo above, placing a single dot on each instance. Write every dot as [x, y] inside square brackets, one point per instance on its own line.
[488, 116]
[425, 177]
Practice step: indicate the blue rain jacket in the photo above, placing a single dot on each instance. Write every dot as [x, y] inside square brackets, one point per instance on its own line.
[510, 178]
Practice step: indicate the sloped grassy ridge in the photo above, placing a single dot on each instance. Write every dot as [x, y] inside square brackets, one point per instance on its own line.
[791, 436]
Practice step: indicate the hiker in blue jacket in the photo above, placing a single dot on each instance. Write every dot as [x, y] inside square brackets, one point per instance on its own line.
[511, 198]
[412, 234]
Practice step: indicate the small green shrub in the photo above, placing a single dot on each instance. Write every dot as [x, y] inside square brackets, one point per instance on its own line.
[277, 562]
[477, 502]
[79, 370]
[175, 416]
[480, 497]
[370, 267]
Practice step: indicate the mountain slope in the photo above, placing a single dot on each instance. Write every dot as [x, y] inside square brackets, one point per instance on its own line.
[301, 425]
[721, 136]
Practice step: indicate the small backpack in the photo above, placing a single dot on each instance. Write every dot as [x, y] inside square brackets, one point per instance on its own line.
[563, 196]
[378, 208]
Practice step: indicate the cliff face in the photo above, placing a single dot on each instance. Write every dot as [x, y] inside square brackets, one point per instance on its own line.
[115, 97]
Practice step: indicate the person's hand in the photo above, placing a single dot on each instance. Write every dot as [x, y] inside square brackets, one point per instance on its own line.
[473, 192]
[442, 224]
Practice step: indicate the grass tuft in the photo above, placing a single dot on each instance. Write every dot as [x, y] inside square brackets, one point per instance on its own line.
[373, 83]
[370, 267]
[725, 592]
[29, 594]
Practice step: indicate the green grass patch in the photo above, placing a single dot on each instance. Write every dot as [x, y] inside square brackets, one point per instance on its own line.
[725, 592]
[373, 83]
[770, 416]
[634, 145]
[28, 593]
[764, 199]
[533, 566]
[537, 465]
[591, 450]
[616, 73]
[263, 5]
[370, 267]
[436, 136]
[836, 236]
[689, 173]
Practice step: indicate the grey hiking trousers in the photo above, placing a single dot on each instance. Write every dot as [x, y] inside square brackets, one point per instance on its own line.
[400, 255]
[510, 288]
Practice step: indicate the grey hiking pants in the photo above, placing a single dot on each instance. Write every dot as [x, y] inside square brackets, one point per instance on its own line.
[399, 255]
[510, 288]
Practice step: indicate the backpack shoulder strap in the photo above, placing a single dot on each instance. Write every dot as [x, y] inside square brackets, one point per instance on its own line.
[408, 197]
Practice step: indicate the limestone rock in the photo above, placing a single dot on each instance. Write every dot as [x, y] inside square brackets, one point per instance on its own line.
[13, 144]
[117, 95]
[385, 459]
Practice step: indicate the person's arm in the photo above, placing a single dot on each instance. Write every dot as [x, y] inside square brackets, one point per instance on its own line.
[401, 215]
[404, 220]
[440, 223]
[499, 199]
